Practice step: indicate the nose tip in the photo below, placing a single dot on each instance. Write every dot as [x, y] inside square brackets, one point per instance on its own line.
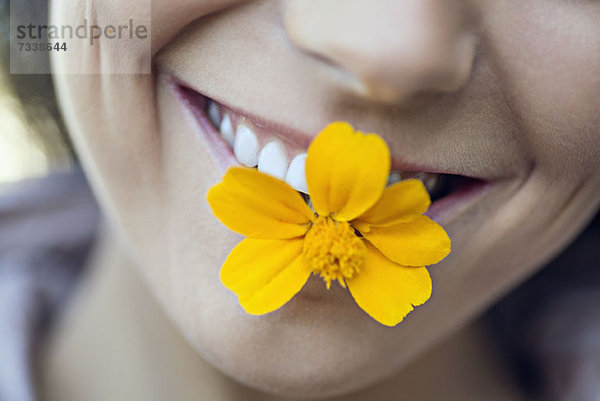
[389, 50]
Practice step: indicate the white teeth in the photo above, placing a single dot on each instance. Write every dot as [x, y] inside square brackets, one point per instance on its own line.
[273, 160]
[418, 176]
[213, 113]
[430, 181]
[245, 146]
[296, 175]
[394, 178]
[226, 130]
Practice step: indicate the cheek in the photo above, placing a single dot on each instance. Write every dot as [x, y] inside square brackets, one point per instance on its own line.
[113, 121]
[549, 56]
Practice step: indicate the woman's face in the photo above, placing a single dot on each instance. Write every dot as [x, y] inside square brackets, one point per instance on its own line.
[502, 91]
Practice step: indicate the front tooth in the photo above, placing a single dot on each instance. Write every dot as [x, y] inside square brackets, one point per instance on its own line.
[213, 114]
[394, 178]
[273, 160]
[226, 130]
[296, 174]
[245, 146]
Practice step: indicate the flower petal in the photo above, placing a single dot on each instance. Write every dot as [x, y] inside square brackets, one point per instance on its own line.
[387, 291]
[346, 171]
[259, 206]
[397, 204]
[265, 274]
[419, 241]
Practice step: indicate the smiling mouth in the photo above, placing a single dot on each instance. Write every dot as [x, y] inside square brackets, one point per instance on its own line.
[237, 138]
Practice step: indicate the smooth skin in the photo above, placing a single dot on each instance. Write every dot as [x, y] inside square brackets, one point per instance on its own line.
[507, 91]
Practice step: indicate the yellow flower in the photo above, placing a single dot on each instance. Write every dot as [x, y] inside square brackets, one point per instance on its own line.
[372, 239]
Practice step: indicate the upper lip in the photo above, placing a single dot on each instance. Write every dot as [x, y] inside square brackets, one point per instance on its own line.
[295, 137]
[302, 139]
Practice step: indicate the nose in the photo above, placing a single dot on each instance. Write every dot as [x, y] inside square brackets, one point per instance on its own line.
[386, 50]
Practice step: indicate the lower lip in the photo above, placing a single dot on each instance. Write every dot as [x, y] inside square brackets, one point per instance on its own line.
[444, 209]
[441, 210]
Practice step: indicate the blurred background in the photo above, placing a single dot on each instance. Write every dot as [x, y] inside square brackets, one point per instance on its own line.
[30, 137]
[31, 142]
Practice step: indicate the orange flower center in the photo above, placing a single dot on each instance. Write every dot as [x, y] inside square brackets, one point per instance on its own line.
[333, 250]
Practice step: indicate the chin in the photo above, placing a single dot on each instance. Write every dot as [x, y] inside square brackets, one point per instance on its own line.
[310, 348]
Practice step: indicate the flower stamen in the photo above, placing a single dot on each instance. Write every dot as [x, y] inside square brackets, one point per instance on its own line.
[332, 249]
